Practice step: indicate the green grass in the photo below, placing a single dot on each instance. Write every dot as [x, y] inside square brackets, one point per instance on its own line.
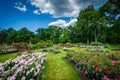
[57, 68]
[5, 57]
[114, 46]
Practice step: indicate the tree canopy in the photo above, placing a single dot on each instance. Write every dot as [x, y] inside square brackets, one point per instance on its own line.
[102, 25]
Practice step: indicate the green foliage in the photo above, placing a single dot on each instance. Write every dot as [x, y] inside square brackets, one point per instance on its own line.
[96, 44]
[95, 66]
[11, 35]
[68, 49]
[111, 7]
[54, 50]
[23, 35]
[35, 40]
[3, 36]
[91, 20]
[42, 34]
[42, 44]
[114, 56]
[103, 23]
[107, 46]
[6, 49]
[45, 50]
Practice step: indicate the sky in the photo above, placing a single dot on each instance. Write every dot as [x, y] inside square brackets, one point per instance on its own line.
[34, 14]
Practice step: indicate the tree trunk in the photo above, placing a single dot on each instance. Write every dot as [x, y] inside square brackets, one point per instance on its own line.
[95, 36]
[87, 41]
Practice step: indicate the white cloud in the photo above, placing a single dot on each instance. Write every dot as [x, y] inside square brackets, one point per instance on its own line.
[62, 23]
[59, 23]
[36, 12]
[66, 8]
[20, 6]
[72, 22]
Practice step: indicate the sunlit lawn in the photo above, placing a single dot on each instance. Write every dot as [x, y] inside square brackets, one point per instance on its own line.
[57, 68]
[5, 57]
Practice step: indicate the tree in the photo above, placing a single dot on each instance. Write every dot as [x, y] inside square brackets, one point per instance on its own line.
[3, 36]
[114, 32]
[99, 23]
[11, 35]
[91, 20]
[84, 21]
[42, 33]
[111, 9]
[23, 35]
[54, 32]
[64, 37]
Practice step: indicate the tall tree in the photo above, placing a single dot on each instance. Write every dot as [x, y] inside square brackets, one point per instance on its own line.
[3, 36]
[91, 20]
[42, 33]
[11, 35]
[112, 9]
[24, 35]
[54, 33]
[64, 37]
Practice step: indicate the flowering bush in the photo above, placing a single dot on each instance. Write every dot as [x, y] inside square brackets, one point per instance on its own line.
[24, 67]
[21, 46]
[94, 66]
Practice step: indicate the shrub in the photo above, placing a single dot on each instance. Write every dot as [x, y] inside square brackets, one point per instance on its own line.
[68, 45]
[21, 46]
[45, 50]
[80, 44]
[68, 49]
[96, 67]
[107, 46]
[42, 44]
[24, 67]
[55, 51]
[96, 44]
[114, 56]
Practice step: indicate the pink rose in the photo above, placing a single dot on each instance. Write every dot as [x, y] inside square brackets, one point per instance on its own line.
[113, 63]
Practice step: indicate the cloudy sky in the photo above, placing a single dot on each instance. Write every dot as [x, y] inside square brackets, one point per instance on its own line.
[42, 13]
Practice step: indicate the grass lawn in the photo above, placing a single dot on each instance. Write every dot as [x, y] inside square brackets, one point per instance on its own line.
[114, 46]
[5, 57]
[56, 68]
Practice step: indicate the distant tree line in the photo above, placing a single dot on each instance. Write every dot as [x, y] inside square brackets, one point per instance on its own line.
[101, 25]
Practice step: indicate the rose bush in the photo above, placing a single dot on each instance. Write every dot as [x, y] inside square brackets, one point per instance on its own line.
[95, 66]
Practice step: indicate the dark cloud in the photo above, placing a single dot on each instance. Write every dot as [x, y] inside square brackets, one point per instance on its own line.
[65, 8]
[61, 7]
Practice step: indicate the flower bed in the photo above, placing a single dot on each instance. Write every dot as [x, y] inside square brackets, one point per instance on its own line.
[95, 66]
[24, 67]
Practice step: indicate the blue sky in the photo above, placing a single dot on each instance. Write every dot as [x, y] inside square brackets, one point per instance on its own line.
[34, 14]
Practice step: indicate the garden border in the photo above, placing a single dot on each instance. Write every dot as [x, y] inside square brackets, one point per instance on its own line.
[82, 76]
